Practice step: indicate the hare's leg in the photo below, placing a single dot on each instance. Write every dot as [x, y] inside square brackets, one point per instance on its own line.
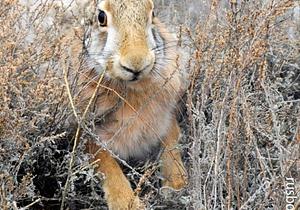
[118, 192]
[172, 168]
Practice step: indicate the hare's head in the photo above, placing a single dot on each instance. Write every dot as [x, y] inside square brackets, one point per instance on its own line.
[126, 41]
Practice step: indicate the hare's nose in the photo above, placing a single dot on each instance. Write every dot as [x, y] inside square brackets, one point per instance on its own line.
[136, 61]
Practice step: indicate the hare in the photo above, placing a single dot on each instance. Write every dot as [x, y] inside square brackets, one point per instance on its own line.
[136, 55]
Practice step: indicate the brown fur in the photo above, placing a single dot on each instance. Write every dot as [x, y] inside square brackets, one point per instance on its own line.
[144, 114]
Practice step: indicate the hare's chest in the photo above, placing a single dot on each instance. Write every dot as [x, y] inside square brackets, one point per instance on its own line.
[133, 132]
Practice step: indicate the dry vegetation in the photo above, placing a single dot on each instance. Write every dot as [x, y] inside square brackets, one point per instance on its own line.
[241, 120]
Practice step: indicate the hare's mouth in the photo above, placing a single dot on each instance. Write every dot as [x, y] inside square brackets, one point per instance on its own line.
[132, 75]
[134, 79]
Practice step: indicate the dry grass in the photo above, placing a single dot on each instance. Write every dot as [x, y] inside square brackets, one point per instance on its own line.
[240, 123]
[243, 106]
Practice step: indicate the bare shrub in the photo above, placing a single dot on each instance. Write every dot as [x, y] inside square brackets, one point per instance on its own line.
[243, 105]
[35, 135]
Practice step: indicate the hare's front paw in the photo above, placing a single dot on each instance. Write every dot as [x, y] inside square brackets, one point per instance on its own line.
[124, 202]
[173, 183]
[121, 197]
[176, 178]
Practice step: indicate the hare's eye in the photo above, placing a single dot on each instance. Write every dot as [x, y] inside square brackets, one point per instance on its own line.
[102, 18]
[153, 14]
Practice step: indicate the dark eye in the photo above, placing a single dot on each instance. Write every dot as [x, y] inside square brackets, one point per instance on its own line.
[102, 18]
[153, 14]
